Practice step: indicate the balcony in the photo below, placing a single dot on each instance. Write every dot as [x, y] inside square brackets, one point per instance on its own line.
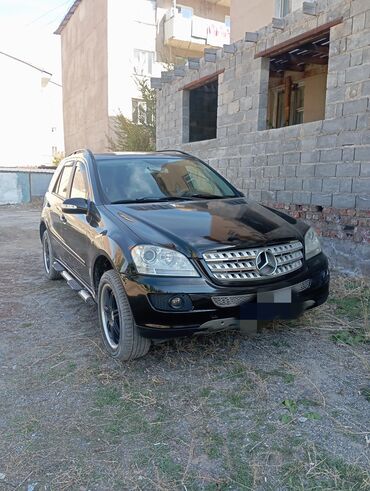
[194, 33]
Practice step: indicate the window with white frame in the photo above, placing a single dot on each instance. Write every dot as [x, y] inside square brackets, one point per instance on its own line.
[282, 8]
[185, 11]
[143, 62]
[139, 111]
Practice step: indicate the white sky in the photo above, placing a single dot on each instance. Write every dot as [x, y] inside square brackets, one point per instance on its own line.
[27, 112]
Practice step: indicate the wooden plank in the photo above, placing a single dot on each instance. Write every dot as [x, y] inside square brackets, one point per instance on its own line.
[286, 67]
[287, 96]
[297, 41]
[202, 81]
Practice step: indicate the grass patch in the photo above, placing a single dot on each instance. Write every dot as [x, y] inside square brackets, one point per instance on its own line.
[107, 396]
[320, 471]
[366, 393]
[351, 300]
[312, 415]
[290, 405]
[238, 462]
[350, 307]
[287, 377]
[281, 343]
[24, 325]
[214, 445]
[352, 338]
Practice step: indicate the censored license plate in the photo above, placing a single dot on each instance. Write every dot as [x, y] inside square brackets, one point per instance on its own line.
[275, 304]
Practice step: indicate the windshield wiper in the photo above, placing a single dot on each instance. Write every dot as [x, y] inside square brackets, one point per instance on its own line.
[149, 199]
[206, 196]
[187, 197]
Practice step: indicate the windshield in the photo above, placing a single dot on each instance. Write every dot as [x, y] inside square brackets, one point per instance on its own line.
[151, 179]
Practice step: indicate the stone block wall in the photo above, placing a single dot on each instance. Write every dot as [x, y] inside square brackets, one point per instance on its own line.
[321, 167]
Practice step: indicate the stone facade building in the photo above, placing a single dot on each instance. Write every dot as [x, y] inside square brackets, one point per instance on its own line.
[284, 114]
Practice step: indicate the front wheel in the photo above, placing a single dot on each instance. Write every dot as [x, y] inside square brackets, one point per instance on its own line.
[119, 331]
[48, 257]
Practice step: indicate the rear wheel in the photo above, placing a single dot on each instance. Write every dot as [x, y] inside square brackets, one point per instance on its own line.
[119, 331]
[48, 257]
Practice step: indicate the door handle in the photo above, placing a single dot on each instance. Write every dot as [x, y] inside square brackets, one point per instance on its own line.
[63, 219]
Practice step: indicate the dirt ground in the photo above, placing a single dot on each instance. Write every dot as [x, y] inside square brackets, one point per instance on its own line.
[288, 409]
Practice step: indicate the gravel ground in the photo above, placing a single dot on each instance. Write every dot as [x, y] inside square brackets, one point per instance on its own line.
[287, 409]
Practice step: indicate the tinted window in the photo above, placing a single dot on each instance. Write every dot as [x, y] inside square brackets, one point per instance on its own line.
[138, 178]
[79, 186]
[56, 185]
[64, 180]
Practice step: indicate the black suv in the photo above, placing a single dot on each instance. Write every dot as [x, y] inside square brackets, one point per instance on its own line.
[166, 246]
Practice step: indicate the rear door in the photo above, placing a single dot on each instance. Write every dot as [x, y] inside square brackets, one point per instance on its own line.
[57, 218]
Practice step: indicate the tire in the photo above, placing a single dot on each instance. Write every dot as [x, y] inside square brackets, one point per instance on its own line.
[48, 258]
[120, 334]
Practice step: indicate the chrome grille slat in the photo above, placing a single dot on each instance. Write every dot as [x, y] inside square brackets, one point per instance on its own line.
[241, 265]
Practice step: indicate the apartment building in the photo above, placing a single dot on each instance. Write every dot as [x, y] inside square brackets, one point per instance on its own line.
[284, 113]
[107, 44]
[251, 15]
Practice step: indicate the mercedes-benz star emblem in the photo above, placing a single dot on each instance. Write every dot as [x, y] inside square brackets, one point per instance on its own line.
[266, 263]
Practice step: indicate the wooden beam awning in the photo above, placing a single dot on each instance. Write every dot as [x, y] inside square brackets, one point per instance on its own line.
[315, 52]
[297, 41]
[202, 81]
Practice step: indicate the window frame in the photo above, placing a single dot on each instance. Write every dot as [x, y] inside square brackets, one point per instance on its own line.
[184, 8]
[294, 109]
[190, 95]
[279, 91]
[282, 8]
[148, 66]
[55, 190]
[85, 178]
[141, 106]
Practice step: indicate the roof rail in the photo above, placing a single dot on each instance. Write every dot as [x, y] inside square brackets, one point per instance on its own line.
[176, 151]
[81, 150]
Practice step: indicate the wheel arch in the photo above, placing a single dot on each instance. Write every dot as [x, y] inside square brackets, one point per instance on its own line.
[42, 228]
[102, 264]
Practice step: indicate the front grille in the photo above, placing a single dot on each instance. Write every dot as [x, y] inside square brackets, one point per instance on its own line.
[238, 265]
[232, 300]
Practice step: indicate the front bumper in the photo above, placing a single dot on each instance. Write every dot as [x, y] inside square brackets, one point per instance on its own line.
[310, 288]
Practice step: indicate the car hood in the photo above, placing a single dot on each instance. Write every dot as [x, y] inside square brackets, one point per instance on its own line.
[193, 227]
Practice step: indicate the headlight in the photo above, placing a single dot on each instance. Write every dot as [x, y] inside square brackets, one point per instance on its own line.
[160, 261]
[311, 243]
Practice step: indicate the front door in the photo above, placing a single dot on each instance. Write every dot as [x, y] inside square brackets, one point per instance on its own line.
[57, 218]
[78, 231]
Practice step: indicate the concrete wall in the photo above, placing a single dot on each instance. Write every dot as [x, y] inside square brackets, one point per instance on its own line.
[22, 186]
[308, 168]
[249, 16]
[85, 77]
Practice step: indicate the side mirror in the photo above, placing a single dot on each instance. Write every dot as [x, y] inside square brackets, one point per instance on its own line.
[75, 206]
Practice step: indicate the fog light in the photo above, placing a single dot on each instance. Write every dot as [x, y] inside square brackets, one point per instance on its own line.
[176, 302]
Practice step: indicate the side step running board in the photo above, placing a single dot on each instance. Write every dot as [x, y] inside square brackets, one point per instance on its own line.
[74, 284]
[71, 281]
